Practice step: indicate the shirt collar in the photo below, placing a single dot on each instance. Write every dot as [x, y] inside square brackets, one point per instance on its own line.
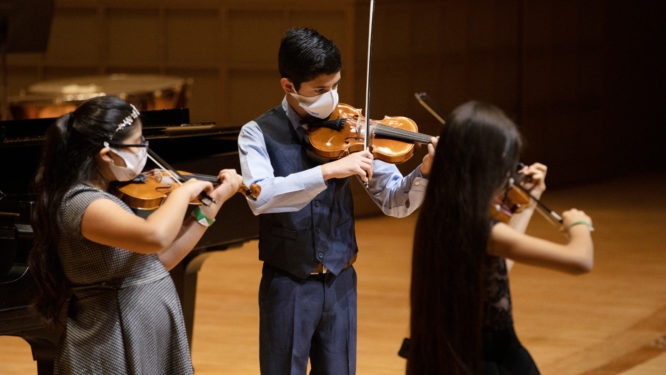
[292, 115]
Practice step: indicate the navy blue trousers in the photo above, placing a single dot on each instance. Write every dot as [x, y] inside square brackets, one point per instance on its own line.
[301, 319]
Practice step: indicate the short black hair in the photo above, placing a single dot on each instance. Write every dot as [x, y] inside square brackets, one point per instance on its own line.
[305, 54]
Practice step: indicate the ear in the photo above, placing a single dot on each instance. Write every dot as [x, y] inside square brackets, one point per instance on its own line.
[104, 155]
[287, 85]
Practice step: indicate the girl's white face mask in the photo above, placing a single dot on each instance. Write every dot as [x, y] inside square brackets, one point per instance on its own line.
[134, 163]
[320, 106]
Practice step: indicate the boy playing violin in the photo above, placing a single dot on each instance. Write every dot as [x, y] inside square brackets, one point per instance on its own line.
[307, 295]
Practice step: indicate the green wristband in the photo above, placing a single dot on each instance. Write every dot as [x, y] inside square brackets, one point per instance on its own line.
[201, 218]
[589, 227]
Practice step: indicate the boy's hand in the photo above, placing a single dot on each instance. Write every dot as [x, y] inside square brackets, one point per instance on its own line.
[429, 157]
[359, 163]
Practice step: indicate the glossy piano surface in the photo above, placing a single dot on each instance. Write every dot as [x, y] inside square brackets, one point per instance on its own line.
[198, 148]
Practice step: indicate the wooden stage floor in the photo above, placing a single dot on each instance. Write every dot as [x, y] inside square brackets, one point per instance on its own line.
[610, 321]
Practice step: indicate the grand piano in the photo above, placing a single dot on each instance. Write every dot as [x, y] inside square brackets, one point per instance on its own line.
[200, 148]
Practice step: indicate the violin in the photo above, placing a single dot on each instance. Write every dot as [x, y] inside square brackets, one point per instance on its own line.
[392, 138]
[150, 189]
[511, 202]
[516, 198]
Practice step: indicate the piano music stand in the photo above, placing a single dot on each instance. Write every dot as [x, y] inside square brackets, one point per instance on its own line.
[24, 27]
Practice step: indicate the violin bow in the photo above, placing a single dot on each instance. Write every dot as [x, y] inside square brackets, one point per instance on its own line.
[164, 166]
[544, 210]
[549, 214]
[422, 97]
[366, 143]
[168, 169]
[367, 79]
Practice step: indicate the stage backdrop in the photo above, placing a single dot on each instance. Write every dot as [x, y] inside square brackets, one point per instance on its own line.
[583, 79]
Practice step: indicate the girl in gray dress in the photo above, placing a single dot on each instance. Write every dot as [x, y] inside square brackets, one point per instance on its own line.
[123, 315]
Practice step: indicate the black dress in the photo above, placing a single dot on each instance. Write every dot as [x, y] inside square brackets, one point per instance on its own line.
[502, 351]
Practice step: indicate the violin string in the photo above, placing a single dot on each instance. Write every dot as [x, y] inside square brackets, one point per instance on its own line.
[410, 136]
[386, 130]
[170, 173]
[391, 131]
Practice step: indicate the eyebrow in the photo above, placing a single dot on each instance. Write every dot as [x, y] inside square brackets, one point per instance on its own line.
[323, 87]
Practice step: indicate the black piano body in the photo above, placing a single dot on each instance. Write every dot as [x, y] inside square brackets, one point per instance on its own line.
[199, 148]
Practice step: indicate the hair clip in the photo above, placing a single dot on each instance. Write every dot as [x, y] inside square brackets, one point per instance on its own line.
[129, 119]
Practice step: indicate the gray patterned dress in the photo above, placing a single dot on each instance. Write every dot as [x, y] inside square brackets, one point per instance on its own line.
[124, 316]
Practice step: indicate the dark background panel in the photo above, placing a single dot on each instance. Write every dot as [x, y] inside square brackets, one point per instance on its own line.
[584, 80]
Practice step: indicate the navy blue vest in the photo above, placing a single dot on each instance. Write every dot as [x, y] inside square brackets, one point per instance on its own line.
[322, 231]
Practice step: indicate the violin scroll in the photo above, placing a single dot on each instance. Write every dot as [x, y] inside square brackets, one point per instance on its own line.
[251, 192]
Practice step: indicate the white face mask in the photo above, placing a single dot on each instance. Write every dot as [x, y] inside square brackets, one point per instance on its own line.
[320, 106]
[134, 163]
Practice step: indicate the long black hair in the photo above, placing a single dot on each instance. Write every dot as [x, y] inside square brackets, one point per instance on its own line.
[69, 156]
[478, 148]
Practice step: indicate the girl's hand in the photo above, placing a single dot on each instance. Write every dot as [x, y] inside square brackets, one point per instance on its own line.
[536, 183]
[194, 187]
[230, 182]
[573, 215]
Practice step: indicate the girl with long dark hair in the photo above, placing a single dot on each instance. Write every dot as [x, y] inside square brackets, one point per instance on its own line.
[90, 249]
[461, 319]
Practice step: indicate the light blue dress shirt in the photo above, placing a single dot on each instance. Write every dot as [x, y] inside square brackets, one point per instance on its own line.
[394, 194]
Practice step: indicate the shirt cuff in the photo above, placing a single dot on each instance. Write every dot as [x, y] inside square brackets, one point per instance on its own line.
[419, 181]
[313, 178]
[419, 184]
[418, 172]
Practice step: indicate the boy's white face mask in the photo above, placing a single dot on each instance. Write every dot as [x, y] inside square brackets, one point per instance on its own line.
[320, 106]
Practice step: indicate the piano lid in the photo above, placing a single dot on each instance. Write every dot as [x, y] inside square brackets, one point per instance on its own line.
[166, 123]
